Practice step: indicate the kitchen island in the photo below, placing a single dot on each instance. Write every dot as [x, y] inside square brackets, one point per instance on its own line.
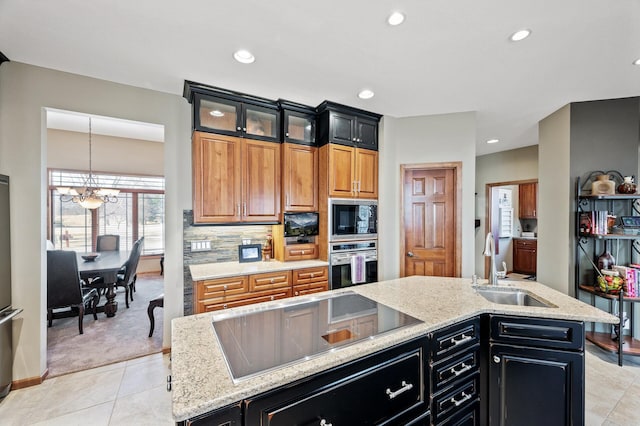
[201, 380]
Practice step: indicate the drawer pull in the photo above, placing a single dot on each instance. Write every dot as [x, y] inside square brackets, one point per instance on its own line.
[323, 422]
[464, 368]
[225, 287]
[463, 338]
[405, 387]
[464, 399]
[311, 275]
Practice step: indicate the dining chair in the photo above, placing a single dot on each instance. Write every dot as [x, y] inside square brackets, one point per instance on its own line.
[108, 242]
[128, 278]
[64, 287]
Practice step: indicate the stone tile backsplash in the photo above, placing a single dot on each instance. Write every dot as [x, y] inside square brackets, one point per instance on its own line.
[224, 247]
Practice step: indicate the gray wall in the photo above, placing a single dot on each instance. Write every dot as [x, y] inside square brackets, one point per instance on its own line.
[505, 166]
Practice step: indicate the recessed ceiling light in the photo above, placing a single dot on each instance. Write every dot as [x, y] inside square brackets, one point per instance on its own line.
[636, 62]
[244, 56]
[217, 113]
[366, 94]
[493, 141]
[396, 18]
[520, 35]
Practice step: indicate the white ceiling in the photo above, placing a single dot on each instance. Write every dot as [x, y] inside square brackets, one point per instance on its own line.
[449, 55]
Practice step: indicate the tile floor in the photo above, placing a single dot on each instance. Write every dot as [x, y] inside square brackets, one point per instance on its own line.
[134, 393]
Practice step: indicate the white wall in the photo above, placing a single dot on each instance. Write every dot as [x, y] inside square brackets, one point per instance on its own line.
[70, 150]
[417, 140]
[25, 91]
[555, 244]
[505, 166]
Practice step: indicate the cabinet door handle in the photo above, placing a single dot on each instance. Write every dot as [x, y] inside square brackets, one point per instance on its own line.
[496, 359]
[287, 134]
[312, 275]
[272, 280]
[323, 422]
[464, 367]
[244, 129]
[359, 186]
[225, 287]
[354, 139]
[465, 398]
[238, 209]
[244, 209]
[224, 306]
[463, 338]
[238, 128]
[273, 298]
[405, 387]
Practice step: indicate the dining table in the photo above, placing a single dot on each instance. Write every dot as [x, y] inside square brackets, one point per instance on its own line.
[106, 266]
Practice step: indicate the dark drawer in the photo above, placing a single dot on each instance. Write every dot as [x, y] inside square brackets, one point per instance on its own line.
[539, 332]
[388, 388]
[470, 416]
[450, 340]
[456, 400]
[454, 369]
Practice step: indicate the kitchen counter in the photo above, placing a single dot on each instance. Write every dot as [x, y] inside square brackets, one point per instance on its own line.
[200, 377]
[208, 271]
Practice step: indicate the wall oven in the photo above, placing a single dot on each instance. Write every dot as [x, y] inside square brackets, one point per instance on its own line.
[352, 219]
[352, 263]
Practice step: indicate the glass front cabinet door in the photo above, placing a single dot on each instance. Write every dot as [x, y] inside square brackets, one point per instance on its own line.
[298, 123]
[236, 118]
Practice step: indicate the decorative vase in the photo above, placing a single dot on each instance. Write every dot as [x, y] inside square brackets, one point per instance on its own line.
[628, 186]
[606, 260]
[603, 186]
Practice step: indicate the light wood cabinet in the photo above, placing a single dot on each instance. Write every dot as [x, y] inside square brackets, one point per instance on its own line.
[528, 200]
[310, 280]
[235, 180]
[525, 256]
[352, 172]
[300, 178]
[231, 292]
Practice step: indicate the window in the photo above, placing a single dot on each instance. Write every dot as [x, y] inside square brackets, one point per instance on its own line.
[139, 212]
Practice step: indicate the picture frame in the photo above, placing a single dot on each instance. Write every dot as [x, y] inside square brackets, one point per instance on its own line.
[249, 253]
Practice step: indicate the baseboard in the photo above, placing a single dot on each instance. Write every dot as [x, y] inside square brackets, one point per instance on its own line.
[32, 381]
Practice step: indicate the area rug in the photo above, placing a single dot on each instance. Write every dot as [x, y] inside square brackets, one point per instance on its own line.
[107, 340]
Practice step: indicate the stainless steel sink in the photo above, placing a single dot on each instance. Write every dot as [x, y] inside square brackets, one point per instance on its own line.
[512, 296]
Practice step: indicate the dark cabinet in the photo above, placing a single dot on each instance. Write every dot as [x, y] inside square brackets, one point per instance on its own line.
[344, 125]
[528, 200]
[234, 114]
[298, 123]
[226, 416]
[455, 373]
[525, 256]
[536, 372]
[385, 388]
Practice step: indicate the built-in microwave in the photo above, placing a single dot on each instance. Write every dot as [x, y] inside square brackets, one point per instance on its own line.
[352, 219]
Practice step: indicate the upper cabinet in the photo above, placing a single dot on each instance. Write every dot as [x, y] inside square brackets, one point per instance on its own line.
[351, 172]
[344, 125]
[300, 177]
[233, 114]
[235, 180]
[298, 123]
[528, 200]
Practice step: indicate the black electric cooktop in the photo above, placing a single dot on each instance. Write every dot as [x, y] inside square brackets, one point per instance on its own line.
[294, 331]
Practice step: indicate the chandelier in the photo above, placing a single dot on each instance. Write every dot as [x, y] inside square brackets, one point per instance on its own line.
[89, 195]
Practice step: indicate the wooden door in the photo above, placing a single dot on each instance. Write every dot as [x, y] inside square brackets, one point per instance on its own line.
[261, 181]
[366, 173]
[300, 178]
[341, 171]
[216, 178]
[429, 206]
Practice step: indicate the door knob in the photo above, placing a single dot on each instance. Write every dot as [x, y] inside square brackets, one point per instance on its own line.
[496, 359]
[410, 254]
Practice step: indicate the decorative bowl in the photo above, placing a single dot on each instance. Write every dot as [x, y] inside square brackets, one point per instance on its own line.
[90, 257]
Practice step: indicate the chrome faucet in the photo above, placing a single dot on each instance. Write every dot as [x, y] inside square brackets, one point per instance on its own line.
[490, 251]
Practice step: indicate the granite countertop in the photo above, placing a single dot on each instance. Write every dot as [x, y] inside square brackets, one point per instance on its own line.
[208, 271]
[201, 381]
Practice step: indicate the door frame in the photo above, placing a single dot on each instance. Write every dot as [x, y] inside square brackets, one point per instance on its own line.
[457, 168]
[487, 214]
